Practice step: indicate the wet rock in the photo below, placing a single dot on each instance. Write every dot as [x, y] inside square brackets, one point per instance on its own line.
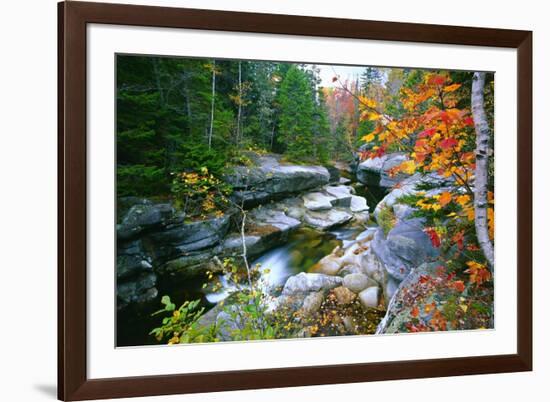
[369, 297]
[357, 282]
[389, 290]
[325, 220]
[398, 311]
[129, 265]
[330, 264]
[375, 171]
[334, 173]
[317, 201]
[358, 204]
[340, 195]
[405, 247]
[270, 216]
[369, 171]
[344, 181]
[306, 283]
[143, 216]
[212, 230]
[140, 289]
[270, 180]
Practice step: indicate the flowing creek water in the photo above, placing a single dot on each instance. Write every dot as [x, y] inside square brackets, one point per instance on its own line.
[304, 248]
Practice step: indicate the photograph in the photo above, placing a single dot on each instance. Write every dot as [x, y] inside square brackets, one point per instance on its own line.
[265, 200]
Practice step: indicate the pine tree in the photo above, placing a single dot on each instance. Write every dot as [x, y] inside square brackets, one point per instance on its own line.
[323, 140]
[296, 108]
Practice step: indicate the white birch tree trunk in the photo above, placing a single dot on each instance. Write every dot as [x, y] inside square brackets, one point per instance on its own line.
[482, 159]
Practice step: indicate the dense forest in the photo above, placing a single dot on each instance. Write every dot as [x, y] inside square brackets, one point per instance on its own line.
[256, 200]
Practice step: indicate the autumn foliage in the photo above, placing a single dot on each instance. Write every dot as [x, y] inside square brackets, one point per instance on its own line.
[436, 130]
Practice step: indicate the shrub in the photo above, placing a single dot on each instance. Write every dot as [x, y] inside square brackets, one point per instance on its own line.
[200, 193]
[182, 325]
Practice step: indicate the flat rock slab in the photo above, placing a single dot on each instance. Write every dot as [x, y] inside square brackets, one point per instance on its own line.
[317, 201]
[325, 220]
[266, 216]
[341, 195]
[358, 204]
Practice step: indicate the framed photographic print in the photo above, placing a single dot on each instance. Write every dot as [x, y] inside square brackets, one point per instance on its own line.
[252, 200]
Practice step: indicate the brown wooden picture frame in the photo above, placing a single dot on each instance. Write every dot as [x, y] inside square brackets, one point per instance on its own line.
[73, 383]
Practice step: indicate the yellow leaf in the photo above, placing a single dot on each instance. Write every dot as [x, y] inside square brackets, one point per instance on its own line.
[463, 199]
[368, 137]
[371, 103]
[445, 198]
[373, 116]
[408, 167]
[451, 88]
[491, 222]
[464, 307]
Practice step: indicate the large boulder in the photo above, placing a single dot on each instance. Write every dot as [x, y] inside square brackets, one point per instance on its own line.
[405, 247]
[306, 283]
[269, 180]
[131, 259]
[356, 282]
[143, 216]
[376, 171]
[140, 289]
[186, 237]
[399, 311]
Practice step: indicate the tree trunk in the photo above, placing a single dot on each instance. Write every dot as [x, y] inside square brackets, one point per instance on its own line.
[272, 137]
[482, 159]
[212, 104]
[187, 105]
[156, 72]
[240, 101]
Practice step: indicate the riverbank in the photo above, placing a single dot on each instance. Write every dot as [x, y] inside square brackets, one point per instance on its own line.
[327, 262]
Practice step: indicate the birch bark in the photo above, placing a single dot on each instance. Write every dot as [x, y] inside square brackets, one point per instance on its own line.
[482, 159]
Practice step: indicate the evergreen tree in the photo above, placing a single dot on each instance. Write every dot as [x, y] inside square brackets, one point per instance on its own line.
[296, 108]
[324, 142]
[371, 76]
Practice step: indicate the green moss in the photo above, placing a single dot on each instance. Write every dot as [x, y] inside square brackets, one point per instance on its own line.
[386, 219]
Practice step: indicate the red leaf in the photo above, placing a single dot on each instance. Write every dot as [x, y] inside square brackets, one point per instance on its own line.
[434, 237]
[424, 279]
[414, 312]
[469, 121]
[427, 133]
[448, 143]
[458, 238]
[437, 80]
[459, 286]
